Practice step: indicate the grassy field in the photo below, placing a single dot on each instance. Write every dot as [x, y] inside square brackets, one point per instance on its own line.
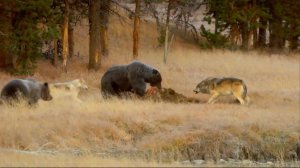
[99, 132]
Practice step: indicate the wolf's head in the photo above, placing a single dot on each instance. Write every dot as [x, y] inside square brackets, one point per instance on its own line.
[205, 86]
[80, 83]
[77, 84]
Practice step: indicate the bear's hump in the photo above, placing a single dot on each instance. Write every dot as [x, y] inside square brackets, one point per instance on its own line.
[138, 68]
[20, 83]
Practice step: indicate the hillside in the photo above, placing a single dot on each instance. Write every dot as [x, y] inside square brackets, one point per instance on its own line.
[99, 132]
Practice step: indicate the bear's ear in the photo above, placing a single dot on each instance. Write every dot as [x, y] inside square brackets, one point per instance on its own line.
[67, 88]
[154, 71]
[46, 84]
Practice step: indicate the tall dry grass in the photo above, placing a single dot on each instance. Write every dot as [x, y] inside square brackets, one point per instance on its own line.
[65, 160]
[156, 131]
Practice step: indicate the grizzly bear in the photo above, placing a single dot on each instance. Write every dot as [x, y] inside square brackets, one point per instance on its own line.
[28, 89]
[129, 78]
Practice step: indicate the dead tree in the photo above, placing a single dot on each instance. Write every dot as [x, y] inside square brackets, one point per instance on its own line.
[95, 25]
[136, 28]
[65, 40]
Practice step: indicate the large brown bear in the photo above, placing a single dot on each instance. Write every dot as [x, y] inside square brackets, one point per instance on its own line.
[129, 78]
[28, 89]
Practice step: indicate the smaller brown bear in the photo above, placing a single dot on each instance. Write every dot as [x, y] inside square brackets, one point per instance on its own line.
[28, 89]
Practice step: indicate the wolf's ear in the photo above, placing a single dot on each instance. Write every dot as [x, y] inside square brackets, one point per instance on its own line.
[82, 81]
[56, 86]
[214, 84]
[155, 72]
[211, 85]
[67, 88]
[76, 80]
[46, 84]
[209, 78]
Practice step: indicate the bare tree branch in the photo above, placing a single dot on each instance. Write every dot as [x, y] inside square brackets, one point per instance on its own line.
[3, 34]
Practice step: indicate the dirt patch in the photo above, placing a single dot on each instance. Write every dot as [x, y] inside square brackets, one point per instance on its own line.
[169, 95]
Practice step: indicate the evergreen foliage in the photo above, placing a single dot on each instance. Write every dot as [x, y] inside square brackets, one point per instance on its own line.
[26, 24]
[30, 23]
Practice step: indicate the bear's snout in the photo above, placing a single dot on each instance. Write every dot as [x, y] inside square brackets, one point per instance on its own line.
[158, 86]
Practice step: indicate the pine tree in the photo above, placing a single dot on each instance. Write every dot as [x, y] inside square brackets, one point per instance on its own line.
[28, 25]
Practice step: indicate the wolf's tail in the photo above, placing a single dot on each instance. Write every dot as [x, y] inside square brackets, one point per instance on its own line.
[245, 91]
[245, 97]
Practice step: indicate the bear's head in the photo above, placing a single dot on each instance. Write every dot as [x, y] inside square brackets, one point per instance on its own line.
[45, 92]
[155, 79]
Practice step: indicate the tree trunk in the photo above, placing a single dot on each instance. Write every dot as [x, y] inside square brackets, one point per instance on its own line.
[6, 59]
[136, 29]
[71, 40]
[245, 35]
[262, 33]
[167, 33]
[55, 54]
[104, 13]
[65, 39]
[94, 32]
[104, 42]
[255, 41]
[254, 29]
[293, 37]
[216, 23]
[234, 34]
[3, 57]
[276, 35]
[16, 25]
[293, 43]
[276, 28]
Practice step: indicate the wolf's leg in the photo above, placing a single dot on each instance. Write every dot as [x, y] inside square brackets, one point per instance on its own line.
[213, 99]
[238, 93]
[236, 100]
[241, 100]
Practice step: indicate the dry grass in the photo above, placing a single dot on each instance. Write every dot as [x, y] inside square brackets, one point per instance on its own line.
[63, 160]
[267, 129]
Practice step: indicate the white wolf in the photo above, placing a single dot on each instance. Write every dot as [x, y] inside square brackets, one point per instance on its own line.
[68, 89]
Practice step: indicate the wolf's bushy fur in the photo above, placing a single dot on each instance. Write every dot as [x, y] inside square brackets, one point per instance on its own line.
[76, 84]
[223, 86]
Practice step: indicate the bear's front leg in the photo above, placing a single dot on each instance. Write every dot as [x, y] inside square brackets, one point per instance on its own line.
[139, 86]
